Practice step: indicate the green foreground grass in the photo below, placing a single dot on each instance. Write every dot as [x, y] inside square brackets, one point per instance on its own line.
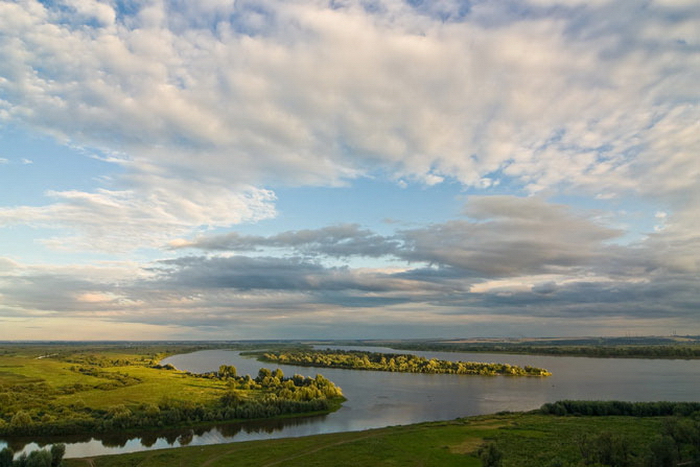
[525, 439]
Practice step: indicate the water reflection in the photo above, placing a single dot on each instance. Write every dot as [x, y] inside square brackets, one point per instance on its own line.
[118, 443]
[185, 438]
[149, 440]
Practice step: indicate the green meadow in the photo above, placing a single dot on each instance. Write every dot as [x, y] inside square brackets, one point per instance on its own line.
[517, 439]
[101, 389]
[76, 389]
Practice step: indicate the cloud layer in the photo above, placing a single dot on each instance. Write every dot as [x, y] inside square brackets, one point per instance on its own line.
[206, 109]
[597, 96]
[518, 260]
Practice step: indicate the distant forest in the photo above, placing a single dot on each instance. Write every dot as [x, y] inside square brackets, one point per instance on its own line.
[687, 347]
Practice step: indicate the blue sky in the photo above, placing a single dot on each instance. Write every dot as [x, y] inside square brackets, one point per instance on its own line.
[348, 169]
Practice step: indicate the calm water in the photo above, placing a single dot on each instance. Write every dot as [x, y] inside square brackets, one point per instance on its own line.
[378, 399]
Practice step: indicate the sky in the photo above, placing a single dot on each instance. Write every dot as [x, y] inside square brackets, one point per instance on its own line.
[347, 169]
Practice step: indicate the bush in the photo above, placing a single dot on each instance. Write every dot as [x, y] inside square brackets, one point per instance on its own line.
[491, 456]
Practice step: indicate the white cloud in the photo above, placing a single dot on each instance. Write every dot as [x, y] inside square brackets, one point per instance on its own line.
[89, 10]
[302, 93]
[118, 221]
[315, 94]
[6, 264]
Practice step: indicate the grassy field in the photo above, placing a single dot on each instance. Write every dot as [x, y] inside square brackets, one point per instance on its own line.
[524, 440]
[153, 384]
[33, 366]
[70, 389]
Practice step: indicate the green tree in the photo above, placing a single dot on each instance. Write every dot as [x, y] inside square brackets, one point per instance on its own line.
[6, 456]
[263, 373]
[40, 458]
[232, 397]
[57, 453]
[605, 449]
[151, 410]
[227, 371]
[21, 461]
[21, 420]
[664, 452]
[491, 455]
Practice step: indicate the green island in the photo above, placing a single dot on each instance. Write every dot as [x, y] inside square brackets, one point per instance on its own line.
[583, 433]
[404, 363]
[78, 389]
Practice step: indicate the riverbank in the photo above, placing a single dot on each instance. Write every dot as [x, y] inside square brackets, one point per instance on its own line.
[522, 439]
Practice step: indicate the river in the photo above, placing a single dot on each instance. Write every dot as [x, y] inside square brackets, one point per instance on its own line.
[378, 399]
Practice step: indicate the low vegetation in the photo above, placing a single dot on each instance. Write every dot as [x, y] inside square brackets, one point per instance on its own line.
[405, 363]
[535, 439]
[74, 390]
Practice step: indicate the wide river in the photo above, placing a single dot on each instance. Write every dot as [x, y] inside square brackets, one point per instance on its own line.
[378, 399]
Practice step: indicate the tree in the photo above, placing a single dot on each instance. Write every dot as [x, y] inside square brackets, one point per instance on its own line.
[21, 460]
[227, 371]
[232, 397]
[491, 456]
[605, 449]
[263, 373]
[664, 452]
[21, 420]
[39, 459]
[57, 453]
[6, 456]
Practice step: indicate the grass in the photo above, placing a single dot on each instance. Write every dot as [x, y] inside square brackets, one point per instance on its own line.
[526, 440]
[154, 386]
[72, 389]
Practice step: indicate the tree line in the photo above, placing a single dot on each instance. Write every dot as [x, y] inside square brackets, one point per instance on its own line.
[687, 351]
[621, 408]
[405, 363]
